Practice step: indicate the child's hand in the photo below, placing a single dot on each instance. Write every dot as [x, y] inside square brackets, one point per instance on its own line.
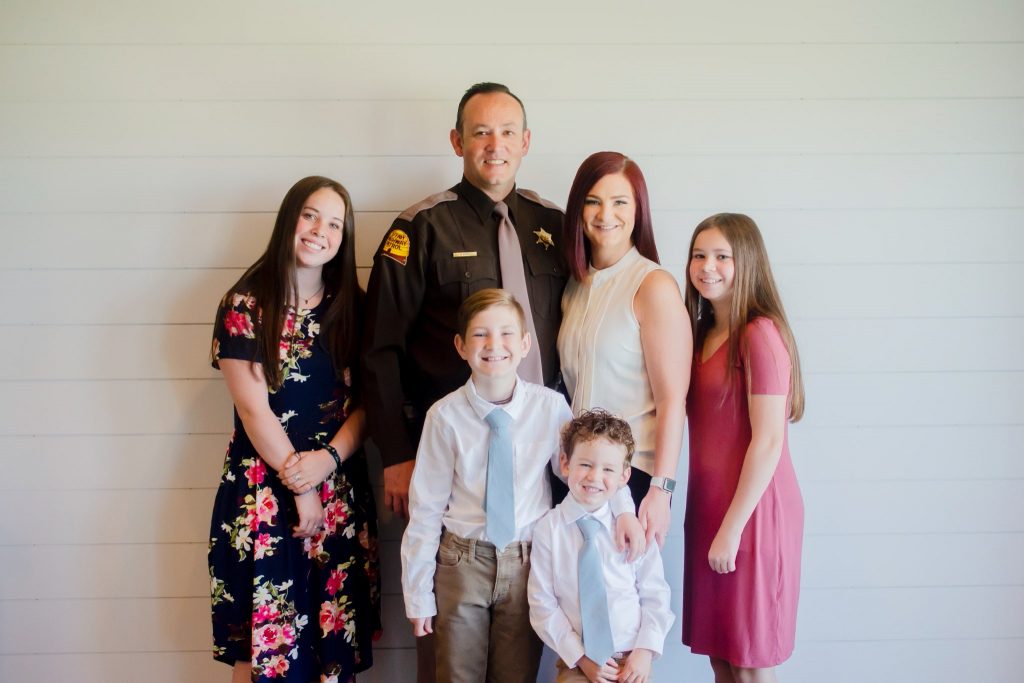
[722, 555]
[599, 674]
[637, 667]
[422, 626]
[629, 533]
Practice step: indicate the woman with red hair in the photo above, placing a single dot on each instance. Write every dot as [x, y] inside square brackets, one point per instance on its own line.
[625, 341]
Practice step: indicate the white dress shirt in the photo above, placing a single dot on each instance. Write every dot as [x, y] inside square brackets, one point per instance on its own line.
[449, 481]
[638, 597]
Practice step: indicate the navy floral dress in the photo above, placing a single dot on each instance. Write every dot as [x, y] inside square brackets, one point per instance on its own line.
[300, 610]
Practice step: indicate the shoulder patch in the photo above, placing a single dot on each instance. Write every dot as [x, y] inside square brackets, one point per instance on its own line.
[537, 199]
[396, 246]
[428, 203]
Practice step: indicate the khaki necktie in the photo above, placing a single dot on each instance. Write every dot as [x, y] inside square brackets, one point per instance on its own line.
[513, 279]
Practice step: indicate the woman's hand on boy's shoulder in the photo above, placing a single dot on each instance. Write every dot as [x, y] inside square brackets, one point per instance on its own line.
[630, 537]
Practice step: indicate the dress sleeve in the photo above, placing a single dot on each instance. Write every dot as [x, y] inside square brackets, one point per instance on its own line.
[234, 330]
[766, 359]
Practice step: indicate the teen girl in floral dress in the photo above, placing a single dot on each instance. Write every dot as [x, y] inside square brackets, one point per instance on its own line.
[293, 546]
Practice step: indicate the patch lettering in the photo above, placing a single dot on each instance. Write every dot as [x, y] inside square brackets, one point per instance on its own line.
[396, 246]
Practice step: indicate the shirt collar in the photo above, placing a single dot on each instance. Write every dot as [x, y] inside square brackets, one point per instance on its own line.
[482, 407]
[611, 271]
[484, 205]
[572, 511]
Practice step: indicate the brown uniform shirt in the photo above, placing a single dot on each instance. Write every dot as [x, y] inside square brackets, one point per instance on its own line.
[436, 254]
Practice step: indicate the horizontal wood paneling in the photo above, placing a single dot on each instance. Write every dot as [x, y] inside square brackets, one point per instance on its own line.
[203, 406]
[178, 240]
[82, 352]
[137, 625]
[923, 400]
[912, 560]
[264, 21]
[911, 613]
[925, 507]
[235, 240]
[384, 128]
[390, 665]
[144, 297]
[183, 515]
[129, 570]
[80, 462]
[932, 660]
[221, 72]
[902, 452]
[832, 615]
[879, 144]
[392, 183]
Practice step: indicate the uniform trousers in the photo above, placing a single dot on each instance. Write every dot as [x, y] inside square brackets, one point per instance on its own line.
[482, 629]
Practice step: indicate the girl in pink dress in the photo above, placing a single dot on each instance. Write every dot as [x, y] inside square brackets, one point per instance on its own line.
[744, 513]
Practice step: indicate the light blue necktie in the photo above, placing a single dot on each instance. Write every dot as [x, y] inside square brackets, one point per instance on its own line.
[597, 631]
[499, 501]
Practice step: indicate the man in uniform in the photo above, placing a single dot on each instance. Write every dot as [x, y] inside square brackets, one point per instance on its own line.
[437, 253]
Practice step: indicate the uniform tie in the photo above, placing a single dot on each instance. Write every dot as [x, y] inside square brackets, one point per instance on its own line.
[499, 501]
[597, 631]
[513, 279]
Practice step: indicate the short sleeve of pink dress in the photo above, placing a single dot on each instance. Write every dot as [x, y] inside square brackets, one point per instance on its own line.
[747, 617]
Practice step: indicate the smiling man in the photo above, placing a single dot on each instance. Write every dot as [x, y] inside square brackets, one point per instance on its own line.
[481, 233]
[437, 253]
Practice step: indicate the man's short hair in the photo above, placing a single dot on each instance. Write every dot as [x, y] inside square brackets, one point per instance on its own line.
[483, 89]
[484, 299]
[598, 423]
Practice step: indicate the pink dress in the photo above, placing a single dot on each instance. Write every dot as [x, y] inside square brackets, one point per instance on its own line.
[747, 617]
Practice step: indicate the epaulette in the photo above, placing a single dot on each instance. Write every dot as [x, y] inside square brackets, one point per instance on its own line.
[428, 203]
[537, 199]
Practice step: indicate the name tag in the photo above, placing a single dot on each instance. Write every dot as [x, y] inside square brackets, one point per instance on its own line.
[463, 254]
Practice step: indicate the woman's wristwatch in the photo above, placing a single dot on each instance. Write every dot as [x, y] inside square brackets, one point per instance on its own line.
[664, 483]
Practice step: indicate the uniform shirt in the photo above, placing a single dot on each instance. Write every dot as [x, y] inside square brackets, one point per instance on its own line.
[450, 479]
[436, 254]
[638, 597]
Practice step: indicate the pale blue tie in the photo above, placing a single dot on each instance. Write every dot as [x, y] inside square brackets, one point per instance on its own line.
[499, 501]
[597, 630]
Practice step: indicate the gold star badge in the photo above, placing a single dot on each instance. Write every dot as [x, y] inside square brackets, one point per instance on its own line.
[544, 237]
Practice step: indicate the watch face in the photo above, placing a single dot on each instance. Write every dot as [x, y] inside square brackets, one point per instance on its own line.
[664, 483]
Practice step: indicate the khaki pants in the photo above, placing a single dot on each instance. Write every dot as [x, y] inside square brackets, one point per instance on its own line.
[567, 675]
[482, 628]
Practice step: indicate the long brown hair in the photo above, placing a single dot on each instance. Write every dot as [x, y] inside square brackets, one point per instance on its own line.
[754, 295]
[271, 280]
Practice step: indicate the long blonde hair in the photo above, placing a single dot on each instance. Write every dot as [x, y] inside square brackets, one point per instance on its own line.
[754, 295]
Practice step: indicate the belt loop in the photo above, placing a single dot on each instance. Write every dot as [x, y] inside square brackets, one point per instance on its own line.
[472, 550]
[524, 551]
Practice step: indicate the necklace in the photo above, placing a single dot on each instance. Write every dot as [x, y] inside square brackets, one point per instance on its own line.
[306, 299]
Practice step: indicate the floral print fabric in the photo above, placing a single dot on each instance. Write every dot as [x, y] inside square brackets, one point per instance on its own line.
[299, 609]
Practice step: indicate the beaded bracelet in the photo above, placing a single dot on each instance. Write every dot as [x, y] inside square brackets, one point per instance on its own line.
[334, 454]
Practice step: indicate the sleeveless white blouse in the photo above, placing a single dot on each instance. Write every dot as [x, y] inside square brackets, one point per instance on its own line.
[600, 352]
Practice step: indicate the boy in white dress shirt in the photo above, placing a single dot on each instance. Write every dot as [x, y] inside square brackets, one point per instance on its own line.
[596, 451]
[466, 550]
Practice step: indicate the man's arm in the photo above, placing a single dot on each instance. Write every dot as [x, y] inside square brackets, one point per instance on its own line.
[393, 300]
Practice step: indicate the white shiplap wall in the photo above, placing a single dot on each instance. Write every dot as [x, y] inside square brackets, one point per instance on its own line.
[880, 145]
